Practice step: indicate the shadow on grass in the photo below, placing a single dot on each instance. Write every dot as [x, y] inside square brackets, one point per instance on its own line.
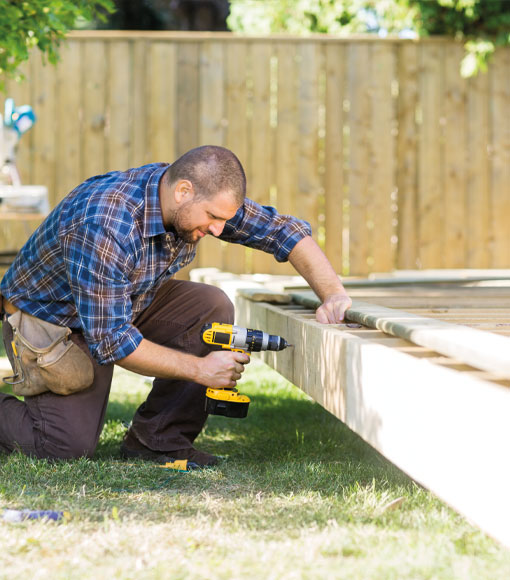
[292, 445]
[275, 429]
[286, 445]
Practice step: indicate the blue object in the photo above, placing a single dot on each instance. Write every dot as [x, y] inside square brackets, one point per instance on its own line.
[21, 119]
[22, 515]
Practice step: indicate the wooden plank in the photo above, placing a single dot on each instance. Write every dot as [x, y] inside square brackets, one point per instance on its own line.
[162, 101]
[140, 151]
[431, 214]
[382, 171]
[436, 302]
[334, 178]
[119, 106]
[44, 142]
[477, 173]
[94, 109]
[454, 225]
[359, 157]
[367, 385]
[237, 131]
[500, 175]
[482, 350]
[188, 97]
[68, 131]
[265, 295]
[407, 252]
[405, 302]
[310, 185]
[212, 127]
[287, 133]
[261, 166]
[449, 291]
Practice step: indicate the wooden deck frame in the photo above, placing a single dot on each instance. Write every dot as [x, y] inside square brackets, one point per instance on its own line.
[446, 429]
[432, 397]
[483, 350]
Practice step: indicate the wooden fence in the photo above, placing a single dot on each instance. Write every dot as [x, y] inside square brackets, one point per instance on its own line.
[395, 160]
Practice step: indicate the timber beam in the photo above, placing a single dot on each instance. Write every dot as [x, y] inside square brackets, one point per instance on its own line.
[438, 421]
[431, 396]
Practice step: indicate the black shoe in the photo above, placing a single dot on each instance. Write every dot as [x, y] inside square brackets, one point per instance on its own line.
[131, 448]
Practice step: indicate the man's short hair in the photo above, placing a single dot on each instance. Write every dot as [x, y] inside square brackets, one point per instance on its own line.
[211, 169]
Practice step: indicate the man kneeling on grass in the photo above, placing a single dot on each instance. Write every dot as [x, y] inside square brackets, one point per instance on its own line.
[94, 287]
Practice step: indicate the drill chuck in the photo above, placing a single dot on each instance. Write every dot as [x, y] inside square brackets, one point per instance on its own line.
[257, 340]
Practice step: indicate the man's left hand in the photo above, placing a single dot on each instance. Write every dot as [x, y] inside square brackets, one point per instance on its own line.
[332, 310]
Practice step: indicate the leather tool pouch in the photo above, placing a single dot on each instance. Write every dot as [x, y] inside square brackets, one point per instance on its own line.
[44, 358]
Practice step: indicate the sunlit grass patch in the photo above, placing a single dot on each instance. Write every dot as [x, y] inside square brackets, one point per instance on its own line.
[298, 495]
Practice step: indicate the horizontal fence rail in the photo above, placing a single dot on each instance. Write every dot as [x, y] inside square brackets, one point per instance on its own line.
[394, 159]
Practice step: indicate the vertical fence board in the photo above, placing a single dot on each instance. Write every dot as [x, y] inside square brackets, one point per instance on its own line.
[188, 97]
[382, 172]
[69, 113]
[334, 181]
[454, 224]
[237, 131]
[287, 133]
[407, 156]
[500, 177]
[140, 79]
[359, 157]
[477, 173]
[262, 154]
[94, 108]
[119, 106]
[212, 128]
[44, 144]
[309, 179]
[431, 214]
[162, 101]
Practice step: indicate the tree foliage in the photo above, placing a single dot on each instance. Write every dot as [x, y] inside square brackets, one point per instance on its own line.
[481, 24]
[39, 23]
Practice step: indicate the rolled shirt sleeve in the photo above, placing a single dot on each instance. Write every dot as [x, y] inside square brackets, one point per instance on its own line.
[97, 268]
[263, 228]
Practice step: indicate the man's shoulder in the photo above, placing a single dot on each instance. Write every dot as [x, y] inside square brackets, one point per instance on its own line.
[114, 201]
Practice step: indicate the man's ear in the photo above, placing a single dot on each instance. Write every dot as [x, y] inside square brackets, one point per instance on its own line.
[183, 191]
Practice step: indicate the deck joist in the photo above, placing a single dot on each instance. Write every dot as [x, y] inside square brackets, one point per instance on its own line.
[423, 375]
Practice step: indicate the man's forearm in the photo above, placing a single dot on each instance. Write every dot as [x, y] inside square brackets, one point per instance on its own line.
[154, 360]
[311, 262]
[218, 369]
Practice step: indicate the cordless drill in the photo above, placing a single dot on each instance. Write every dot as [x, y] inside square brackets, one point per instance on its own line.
[227, 401]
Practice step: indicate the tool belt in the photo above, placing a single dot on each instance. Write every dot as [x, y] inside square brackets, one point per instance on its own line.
[44, 358]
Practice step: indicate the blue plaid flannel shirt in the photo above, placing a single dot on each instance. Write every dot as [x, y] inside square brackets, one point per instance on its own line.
[100, 256]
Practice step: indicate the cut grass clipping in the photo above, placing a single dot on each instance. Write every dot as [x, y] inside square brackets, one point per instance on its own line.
[298, 496]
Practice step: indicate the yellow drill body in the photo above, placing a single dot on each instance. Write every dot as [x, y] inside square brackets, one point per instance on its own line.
[227, 401]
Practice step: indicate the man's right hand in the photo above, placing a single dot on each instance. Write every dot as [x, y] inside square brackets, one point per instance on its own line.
[222, 368]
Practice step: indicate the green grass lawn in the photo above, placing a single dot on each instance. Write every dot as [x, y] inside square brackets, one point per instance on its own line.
[298, 496]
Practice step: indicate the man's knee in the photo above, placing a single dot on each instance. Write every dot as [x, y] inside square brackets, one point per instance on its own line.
[74, 446]
[219, 304]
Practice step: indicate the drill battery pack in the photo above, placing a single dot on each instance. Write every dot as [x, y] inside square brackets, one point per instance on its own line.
[226, 402]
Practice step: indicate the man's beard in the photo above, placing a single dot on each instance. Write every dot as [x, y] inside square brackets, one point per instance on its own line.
[180, 222]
